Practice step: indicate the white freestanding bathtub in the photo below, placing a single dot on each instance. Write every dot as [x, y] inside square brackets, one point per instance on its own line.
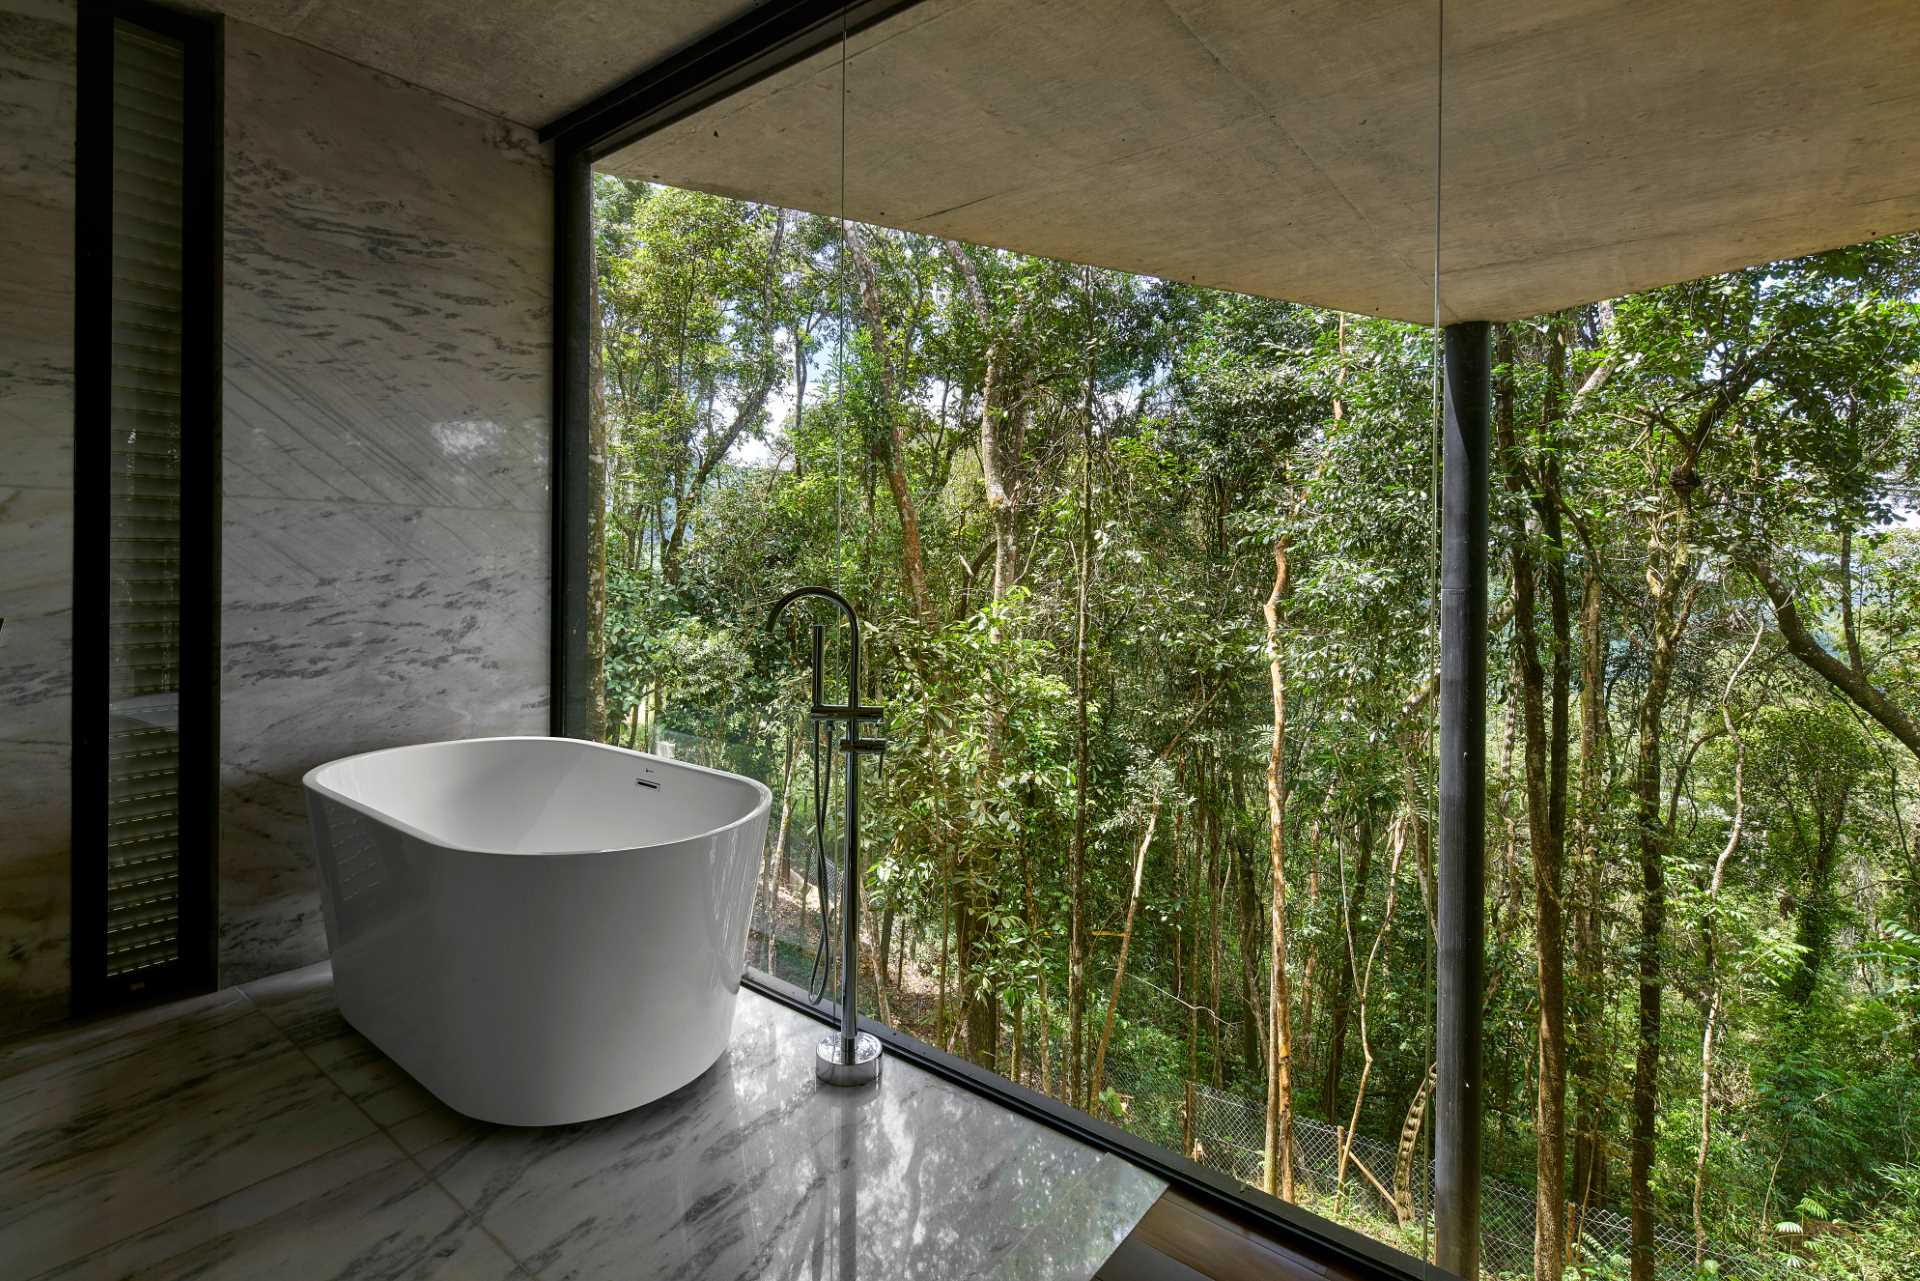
[539, 930]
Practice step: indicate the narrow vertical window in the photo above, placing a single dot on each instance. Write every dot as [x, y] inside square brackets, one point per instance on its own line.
[146, 507]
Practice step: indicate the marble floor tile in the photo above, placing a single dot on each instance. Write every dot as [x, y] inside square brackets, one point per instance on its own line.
[365, 1213]
[116, 1034]
[236, 1137]
[755, 1170]
[130, 1132]
[233, 1213]
[436, 1135]
[300, 1003]
[295, 998]
[931, 1181]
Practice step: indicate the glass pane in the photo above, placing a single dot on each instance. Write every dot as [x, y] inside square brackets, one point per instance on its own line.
[1065, 499]
[1153, 562]
[732, 473]
[1700, 798]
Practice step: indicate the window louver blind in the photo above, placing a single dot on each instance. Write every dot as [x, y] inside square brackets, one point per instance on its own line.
[144, 621]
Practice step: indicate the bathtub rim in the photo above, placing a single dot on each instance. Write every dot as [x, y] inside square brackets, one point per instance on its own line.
[311, 782]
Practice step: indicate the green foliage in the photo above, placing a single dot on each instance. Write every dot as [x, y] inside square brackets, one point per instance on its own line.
[777, 405]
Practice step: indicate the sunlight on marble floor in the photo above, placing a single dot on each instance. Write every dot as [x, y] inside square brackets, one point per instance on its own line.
[251, 1133]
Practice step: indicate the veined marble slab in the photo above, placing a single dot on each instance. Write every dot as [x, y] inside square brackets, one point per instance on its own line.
[388, 260]
[386, 446]
[253, 1134]
[349, 628]
[300, 1003]
[756, 1170]
[37, 51]
[131, 1132]
[361, 1213]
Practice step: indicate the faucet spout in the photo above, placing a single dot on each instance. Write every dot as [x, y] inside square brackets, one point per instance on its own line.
[852, 710]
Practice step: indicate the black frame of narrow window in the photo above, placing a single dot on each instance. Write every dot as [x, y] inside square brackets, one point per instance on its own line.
[776, 35]
[196, 967]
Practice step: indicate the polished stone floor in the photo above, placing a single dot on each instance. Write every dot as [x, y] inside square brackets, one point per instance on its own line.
[253, 1134]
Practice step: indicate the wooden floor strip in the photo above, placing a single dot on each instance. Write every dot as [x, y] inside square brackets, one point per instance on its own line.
[1179, 1239]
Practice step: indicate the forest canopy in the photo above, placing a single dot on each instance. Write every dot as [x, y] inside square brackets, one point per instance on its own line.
[1150, 576]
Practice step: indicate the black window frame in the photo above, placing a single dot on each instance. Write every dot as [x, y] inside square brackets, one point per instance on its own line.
[196, 966]
[775, 35]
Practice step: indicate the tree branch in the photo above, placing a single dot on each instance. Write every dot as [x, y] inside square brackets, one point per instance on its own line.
[1803, 646]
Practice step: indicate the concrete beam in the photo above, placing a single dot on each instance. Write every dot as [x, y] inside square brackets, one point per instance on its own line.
[1589, 148]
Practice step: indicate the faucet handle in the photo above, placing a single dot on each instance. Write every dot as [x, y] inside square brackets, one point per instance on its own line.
[859, 746]
[841, 712]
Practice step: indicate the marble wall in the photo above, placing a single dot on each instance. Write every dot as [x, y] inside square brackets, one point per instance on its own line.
[36, 502]
[386, 563]
[385, 568]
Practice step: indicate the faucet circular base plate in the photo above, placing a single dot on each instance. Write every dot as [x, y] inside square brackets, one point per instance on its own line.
[831, 1068]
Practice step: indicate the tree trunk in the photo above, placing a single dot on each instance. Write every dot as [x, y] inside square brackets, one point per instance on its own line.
[1671, 583]
[1589, 1055]
[1409, 1144]
[940, 1035]
[1341, 1005]
[1817, 908]
[1592, 1058]
[1709, 939]
[1040, 966]
[1545, 835]
[1653, 919]
[1306, 988]
[1190, 986]
[1120, 965]
[1278, 1154]
[1398, 840]
[998, 453]
[596, 567]
[979, 1005]
[769, 893]
[1082, 764]
[1077, 870]
[912, 560]
[1216, 881]
[1253, 1028]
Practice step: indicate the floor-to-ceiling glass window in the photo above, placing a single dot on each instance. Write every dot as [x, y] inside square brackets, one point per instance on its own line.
[1145, 570]
[1150, 575]
[1699, 1025]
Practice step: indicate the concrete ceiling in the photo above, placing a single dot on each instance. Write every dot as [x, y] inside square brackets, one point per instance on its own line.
[528, 61]
[1590, 147]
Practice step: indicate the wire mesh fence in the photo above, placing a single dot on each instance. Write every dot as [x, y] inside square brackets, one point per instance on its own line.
[1362, 1186]
[1364, 1189]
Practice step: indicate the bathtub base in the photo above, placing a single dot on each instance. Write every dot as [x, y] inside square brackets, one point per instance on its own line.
[527, 987]
[491, 1083]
